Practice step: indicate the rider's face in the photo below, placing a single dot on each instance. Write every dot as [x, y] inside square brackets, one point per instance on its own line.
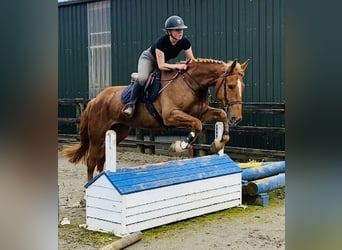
[177, 34]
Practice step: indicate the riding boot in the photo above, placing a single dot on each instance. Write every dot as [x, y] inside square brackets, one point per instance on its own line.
[129, 110]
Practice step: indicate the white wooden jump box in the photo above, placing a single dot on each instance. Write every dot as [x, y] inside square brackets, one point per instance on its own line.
[135, 199]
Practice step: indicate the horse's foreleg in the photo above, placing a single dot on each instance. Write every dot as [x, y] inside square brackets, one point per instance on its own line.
[178, 118]
[214, 114]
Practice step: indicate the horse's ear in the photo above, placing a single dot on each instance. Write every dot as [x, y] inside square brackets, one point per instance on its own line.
[232, 66]
[244, 65]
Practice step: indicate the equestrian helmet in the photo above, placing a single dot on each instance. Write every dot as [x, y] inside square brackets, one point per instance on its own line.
[174, 22]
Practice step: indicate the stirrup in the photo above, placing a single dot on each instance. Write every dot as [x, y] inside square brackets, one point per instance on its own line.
[128, 111]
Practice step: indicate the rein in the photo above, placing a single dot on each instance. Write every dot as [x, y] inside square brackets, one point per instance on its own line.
[170, 81]
[174, 77]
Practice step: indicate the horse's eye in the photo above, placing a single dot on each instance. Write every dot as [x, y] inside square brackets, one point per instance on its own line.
[231, 86]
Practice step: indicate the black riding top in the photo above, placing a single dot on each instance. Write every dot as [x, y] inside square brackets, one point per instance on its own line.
[170, 51]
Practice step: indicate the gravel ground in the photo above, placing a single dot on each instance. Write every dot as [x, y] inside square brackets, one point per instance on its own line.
[253, 227]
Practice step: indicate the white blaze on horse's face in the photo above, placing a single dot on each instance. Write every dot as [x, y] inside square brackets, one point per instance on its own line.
[239, 85]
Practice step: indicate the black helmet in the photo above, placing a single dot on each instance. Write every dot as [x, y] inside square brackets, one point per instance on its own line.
[174, 22]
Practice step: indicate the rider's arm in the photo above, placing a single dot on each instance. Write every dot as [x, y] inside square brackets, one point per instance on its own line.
[162, 65]
[188, 54]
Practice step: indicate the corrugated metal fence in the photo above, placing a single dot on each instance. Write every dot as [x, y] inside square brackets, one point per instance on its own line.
[100, 42]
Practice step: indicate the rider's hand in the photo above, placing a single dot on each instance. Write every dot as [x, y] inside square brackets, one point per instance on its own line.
[181, 66]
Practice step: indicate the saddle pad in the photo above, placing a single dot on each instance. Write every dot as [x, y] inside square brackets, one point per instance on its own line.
[151, 93]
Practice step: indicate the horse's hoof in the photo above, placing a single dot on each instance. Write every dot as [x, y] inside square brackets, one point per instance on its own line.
[216, 146]
[178, 147]
[213, 148]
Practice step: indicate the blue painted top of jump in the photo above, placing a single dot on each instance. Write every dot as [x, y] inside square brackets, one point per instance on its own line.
[265, 170]
[131, 180]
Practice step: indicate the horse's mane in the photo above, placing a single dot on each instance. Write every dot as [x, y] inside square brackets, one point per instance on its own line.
[206, 60]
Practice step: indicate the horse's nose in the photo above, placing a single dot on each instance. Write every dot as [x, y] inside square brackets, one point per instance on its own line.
[235, 120]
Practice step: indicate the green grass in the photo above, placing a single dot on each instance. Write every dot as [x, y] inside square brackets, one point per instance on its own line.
[73, 234]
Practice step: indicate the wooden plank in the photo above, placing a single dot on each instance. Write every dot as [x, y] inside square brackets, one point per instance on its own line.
[110, 205]
[181, 200]
[152, 184]
[181, 216]
[71, 101]
[171, 173]
[104, 214]
[170, 192]
[177, 208]
[102, 188]
[69, 120]
[104, 193]
[95, 224]
[270, 131]
[119, 230]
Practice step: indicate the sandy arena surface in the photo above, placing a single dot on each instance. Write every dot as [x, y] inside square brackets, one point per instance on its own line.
[253, 227]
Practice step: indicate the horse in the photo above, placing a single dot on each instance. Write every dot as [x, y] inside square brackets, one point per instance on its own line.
[183, 101]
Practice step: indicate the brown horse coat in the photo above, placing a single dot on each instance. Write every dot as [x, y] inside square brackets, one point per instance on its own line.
[183, 102]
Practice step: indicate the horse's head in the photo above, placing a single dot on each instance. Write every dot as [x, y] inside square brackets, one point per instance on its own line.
[229, 90]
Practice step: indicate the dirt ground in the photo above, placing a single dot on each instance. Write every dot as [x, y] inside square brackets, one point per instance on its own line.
[252, 227]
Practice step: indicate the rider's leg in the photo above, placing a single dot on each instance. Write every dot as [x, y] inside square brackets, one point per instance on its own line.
[145, 66]
[129, 110]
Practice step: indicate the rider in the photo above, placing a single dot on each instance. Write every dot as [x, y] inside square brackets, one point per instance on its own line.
[166, 48]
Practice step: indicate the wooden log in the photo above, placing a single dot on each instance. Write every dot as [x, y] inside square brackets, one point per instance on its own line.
[265, 185]
[265, 170]
[261, 199]
[123, 242]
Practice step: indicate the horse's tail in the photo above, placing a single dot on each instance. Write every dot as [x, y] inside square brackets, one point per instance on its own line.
[77, 152]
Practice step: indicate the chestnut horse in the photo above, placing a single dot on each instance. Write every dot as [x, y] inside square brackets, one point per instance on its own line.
[183, 101]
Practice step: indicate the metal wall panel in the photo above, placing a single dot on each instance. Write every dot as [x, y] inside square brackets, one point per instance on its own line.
[220, 29]
[73, 51]
[72, 59]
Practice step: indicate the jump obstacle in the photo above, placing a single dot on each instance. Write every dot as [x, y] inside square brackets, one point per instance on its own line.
[133, 199]
[258, 181]
[127, 200]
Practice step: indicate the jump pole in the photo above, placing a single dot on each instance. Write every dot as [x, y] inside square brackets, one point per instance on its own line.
[265, 185]
[262, 171]
[110, 153]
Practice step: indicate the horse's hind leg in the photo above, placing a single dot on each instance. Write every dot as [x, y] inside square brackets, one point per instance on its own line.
[91, 164]
[100, 163]
[121, 131]
[93, 160]
[97, 156]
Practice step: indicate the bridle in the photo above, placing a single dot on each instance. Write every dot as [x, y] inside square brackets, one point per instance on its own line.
[227, 103]
[184, 74]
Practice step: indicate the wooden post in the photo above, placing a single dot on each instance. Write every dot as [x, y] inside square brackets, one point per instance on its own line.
[110, 144]
[152, 147]
[218, 134]
[140, 136]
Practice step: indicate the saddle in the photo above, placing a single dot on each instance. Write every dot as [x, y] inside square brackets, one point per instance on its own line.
[151, 88]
